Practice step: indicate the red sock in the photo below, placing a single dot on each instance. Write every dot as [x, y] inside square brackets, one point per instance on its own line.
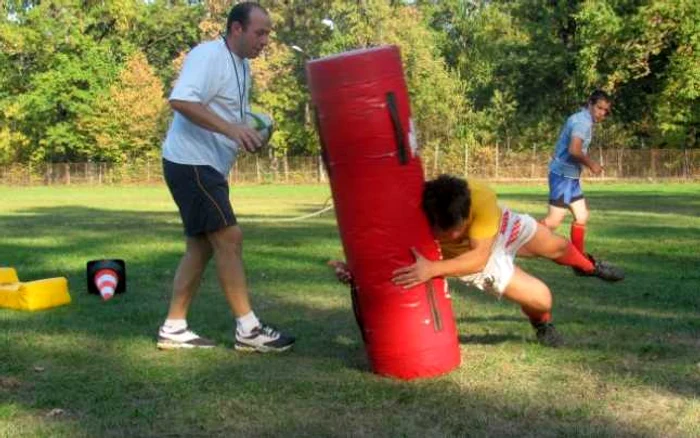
[574, 258]
[537, 317]
[578, 233]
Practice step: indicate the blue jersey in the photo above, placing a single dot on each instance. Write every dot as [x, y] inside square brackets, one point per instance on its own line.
[578, 125]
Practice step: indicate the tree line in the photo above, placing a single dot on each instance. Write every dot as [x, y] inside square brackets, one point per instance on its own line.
[88, 80]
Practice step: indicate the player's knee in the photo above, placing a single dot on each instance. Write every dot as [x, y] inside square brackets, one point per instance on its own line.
[200, 255]
[537, 299]
[544, 303]
[228, 239]
[198, 250]
[581, 217]
[541, 299]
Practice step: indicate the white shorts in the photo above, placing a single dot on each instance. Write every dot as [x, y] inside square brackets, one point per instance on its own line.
[515, 231]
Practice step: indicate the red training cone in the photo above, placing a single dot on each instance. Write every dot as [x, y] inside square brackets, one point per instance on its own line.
[106, 281]
[106, 278]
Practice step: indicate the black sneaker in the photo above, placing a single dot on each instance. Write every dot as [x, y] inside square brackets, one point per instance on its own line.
[603, 270]
[184, 338]
[547, 335]
[264, 339]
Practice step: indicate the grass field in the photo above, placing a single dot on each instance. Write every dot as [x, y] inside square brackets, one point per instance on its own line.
[631, 366]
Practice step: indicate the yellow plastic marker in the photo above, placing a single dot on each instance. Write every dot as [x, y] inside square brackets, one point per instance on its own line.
[32, 295]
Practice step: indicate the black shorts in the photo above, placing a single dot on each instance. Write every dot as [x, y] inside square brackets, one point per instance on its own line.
[201, 194]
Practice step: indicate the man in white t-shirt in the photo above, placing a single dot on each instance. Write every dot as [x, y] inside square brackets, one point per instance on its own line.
[210, 99]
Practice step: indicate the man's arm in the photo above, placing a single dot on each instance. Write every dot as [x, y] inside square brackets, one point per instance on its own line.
[576, 151]
[201, 116]
[422, 270]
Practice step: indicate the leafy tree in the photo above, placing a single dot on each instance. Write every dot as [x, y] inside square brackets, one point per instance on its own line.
[165, 30]
[648, 53]
[479, 72]
[59, 71]
[128, 123]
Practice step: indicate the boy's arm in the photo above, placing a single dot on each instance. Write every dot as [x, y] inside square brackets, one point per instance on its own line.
[470, 262]
[422, 270]
[576, 151]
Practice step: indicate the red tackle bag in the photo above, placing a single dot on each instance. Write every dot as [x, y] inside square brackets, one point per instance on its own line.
[369, 149]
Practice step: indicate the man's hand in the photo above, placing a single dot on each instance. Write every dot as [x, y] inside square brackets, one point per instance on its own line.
[415, 274]
[245, 136]
[596, 169]
[341, 271]
[576, 151]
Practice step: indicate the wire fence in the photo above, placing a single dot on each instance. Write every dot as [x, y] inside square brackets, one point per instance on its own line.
[492, 164]
[253, 169]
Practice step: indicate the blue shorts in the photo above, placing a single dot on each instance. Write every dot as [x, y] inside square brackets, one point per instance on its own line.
[563, 191]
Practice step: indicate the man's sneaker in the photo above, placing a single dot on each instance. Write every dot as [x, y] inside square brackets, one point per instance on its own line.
[182, 339]
[547, 335]
[264, 339]
[603, 270]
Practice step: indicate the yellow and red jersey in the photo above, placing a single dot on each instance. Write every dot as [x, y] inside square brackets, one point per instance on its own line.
[483, 221]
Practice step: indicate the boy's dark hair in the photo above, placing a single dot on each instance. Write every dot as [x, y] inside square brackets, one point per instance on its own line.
[597, 95]
[241, 13]
[446, 201]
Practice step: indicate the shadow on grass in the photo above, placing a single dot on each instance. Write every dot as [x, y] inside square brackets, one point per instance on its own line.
[107, 390]
[97, 360]
[486, 339]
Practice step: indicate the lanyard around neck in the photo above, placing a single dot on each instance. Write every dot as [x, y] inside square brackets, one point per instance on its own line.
[241, 91]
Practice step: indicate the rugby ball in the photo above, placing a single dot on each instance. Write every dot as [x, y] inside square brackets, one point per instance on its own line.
[262, 123]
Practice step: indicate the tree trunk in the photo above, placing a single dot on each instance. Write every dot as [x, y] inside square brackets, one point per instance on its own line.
[436, 158]
[466, 159]
[286, 168]
[497, 159]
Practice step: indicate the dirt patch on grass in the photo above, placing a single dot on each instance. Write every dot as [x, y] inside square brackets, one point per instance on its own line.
[8, 383]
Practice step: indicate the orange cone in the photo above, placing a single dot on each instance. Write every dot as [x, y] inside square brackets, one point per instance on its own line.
[106, 281]
[106, 278]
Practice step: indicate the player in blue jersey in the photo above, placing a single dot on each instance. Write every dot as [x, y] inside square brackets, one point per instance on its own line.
[569, 159]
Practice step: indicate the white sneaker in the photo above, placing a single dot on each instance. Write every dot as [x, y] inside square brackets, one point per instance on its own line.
[183, 338]
[264, 339]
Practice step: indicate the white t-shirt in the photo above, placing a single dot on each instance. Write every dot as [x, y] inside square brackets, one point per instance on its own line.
[208, 76]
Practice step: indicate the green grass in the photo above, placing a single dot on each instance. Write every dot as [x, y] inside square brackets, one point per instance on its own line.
[631, 366]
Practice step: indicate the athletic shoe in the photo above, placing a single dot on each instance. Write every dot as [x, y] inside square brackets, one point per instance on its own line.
[547, 335]
[182, 339]
[603, 270]
[263, 339]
